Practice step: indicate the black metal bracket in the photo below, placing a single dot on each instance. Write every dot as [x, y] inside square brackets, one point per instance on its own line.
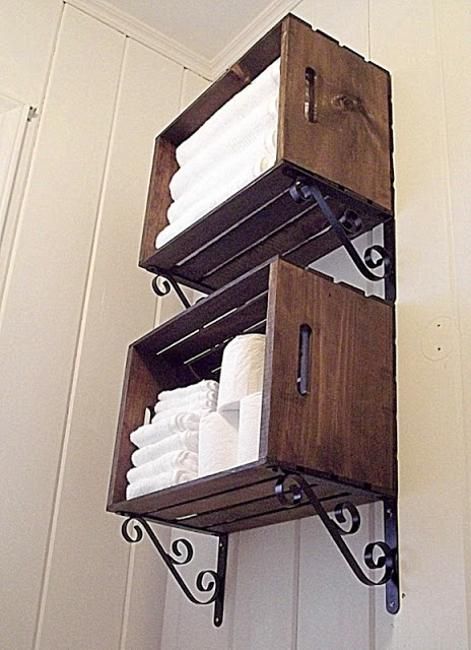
[348, 225]
[168, 283]
[292, 488]
[207, 581]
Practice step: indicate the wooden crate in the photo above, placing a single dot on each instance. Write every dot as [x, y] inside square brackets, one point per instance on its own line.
[340, 435]
[334, 126]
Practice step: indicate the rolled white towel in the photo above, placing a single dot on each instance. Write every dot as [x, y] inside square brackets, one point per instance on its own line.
[167, 424]
[164, 425]
[241, 103]
[203, 386]
[228, 185]
[218, 443]
[186, 460]
[243, 362]
[231, 173]
[144, 435]
[160, 482]
[195, 404]
[225, 144]
[181, 441]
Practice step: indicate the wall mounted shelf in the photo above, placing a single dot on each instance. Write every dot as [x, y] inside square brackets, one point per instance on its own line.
[328, 433]
[345, 149]
[338, 437]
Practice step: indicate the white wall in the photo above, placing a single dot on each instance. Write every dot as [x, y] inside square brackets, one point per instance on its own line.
[73, 298]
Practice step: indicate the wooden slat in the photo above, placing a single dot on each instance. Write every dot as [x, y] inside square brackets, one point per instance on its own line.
[220, 220]
[198, 489]
[247, 232]
[206, 310]
[234, 323]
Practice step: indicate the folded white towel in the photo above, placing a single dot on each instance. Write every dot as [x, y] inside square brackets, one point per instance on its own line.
[194, 404]
[186, 460]
[232, 171]
[181, 441]
[144, 435]
[218, 190]
[242, 368]
[218, 442]
[249, 428]
[164, 425]
[148, 485]
[202, 387]
[250, 96]
[239, 137]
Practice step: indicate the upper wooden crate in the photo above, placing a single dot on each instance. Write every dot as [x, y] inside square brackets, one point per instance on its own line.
[340, 435]
[334, 126]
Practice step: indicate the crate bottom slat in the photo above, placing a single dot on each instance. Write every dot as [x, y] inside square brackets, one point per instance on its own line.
[238, 499]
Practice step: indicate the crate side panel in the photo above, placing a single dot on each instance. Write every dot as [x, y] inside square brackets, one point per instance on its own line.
[348, 141]
[344, 426]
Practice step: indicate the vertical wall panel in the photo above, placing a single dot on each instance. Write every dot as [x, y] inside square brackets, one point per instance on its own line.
[431, 447]
[27, 33]
[119, 308]
[42, 307]
[266, 588]
[453, 25]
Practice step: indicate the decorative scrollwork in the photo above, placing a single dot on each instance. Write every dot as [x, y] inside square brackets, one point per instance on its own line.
[288, 491]
[387, 556]
[349, 224]
[355, 519]
[185, 557]
[207, 581]
[163, 284]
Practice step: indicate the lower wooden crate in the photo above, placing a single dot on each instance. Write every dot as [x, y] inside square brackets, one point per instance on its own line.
[339, 434]
[238, 499]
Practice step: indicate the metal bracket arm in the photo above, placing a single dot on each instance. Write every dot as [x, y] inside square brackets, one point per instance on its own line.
[169, 283]
[292, 488]
[207, 581]
[349, 223]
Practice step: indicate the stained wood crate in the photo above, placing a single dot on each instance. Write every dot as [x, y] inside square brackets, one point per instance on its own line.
[334, 126]
[340, 435]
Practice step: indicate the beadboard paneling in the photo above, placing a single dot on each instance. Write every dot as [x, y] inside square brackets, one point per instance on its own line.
[42, 305]
[27, 36]
[118, 308]
[431, 445]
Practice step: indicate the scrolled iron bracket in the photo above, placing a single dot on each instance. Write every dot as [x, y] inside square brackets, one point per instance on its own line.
[208, 582]
[348, 224]
[381, 555]
[163, 284]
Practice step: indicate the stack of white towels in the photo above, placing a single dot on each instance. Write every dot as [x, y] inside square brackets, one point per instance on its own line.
[232, 148]
[167, 451]
[203, 428]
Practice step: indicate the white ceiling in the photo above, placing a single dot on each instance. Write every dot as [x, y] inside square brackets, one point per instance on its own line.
[204, 26]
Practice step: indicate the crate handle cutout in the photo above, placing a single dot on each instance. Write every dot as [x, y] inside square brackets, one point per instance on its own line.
[310, 106]
[304, 359]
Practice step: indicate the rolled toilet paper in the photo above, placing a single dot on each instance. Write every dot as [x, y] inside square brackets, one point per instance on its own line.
[218, 442]
[249, 428]
[241, 370]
